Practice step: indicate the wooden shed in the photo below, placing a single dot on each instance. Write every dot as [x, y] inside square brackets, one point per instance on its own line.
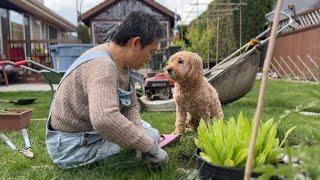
[297, 51]
[104, 16]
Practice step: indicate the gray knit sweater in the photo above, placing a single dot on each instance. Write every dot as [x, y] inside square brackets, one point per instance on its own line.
[87, 100]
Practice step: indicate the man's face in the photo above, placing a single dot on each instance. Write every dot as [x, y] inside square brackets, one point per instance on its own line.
[140, 56]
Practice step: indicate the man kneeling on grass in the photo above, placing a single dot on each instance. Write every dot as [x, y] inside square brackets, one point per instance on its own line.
[95, 110]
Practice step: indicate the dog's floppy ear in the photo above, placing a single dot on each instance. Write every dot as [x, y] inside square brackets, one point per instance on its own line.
[173, 57]
[195, 66]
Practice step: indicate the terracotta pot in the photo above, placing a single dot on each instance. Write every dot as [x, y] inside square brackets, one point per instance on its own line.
[15, 119]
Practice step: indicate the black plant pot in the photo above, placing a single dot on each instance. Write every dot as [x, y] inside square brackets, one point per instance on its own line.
[212, 172]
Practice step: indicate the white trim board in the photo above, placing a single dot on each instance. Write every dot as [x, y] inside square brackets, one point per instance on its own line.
[309, 113]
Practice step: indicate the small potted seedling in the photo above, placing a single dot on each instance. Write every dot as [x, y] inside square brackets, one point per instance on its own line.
[222, 147]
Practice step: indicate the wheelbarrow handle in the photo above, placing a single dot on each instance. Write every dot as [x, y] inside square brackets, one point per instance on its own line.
[20, 63]
[16, 64]
[2, 63]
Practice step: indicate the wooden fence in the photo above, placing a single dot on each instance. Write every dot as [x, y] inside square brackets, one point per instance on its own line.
[296, 68]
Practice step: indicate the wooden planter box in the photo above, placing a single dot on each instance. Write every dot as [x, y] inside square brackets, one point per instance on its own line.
[15, 119]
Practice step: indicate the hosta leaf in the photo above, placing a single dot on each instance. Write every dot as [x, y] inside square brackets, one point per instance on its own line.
[260, 159]
[198, 143]
[273, 156]
[211, 151]
[230, 140]
[241, 157]
[205, 157]
[202, 129]
[225, 143]
[202, 135]
[228, 163]
[286, 135]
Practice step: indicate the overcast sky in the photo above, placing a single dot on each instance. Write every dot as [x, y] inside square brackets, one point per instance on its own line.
[67, 8]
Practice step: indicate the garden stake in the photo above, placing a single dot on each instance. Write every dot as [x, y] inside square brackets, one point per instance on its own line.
[6, 140]
[25, 138]
[25, 151]
[259, 109]
[27, 146]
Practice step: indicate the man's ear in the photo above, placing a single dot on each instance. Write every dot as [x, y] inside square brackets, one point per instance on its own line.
[135, 42]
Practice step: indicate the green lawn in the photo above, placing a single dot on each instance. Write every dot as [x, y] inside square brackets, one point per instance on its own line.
[280, 96]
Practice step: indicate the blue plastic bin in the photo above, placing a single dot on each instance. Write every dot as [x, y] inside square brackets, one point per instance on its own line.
[63, 55]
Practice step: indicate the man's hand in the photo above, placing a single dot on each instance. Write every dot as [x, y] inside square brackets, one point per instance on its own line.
[157, 156]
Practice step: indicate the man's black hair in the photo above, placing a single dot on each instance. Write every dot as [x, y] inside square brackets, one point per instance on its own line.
[138, 24]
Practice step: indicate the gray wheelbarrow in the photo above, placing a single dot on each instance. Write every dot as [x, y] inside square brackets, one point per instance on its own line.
[49, 75]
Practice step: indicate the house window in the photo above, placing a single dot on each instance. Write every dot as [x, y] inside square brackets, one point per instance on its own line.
[27, 27]
[3, 12]
[27, 35]
[101, 31]
[4, 31]
[36, 29]
[53, 33]
[44, 29]
[3, 17]
[16, 24]
[165, 38]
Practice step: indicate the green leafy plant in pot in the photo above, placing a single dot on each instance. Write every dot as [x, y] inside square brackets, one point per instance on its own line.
[223, 147]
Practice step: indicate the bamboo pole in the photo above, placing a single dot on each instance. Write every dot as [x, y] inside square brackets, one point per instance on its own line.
[240, 26]
[208, 53]
[259, 109]
[217, 44]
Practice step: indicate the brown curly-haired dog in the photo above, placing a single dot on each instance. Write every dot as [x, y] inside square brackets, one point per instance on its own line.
[195, 98]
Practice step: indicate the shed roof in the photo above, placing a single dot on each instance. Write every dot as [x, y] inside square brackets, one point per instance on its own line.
[85, 17]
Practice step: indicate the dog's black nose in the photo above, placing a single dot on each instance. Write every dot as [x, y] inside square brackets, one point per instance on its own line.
[169, 70]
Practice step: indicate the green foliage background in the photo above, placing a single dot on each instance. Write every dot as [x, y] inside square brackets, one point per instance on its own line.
[203, 40]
